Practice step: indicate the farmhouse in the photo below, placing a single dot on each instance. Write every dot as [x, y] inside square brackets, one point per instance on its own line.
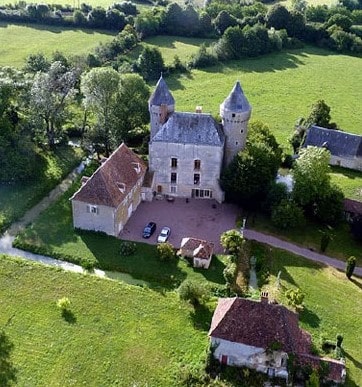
[261, 336]
[109, 197]
[345, 148]
[187, 150]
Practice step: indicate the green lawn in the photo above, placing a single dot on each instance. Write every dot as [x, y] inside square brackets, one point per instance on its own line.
[350, 182]
[176, 45]
[281, 87]
[332, 303]
[16, 198]
[342, 245]
[54, 235]
[23, 40]
[116, 335]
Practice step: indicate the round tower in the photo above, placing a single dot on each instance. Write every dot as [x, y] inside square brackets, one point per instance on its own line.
[160, 105]
[235, 113]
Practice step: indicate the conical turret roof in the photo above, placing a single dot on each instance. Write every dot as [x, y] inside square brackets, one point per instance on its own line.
[236, 100]
[161, 95]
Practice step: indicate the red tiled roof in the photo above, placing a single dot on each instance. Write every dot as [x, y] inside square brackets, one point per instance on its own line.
[258, 324]
[202, 249]
[353, 206]
[336, 367]
[113, 180]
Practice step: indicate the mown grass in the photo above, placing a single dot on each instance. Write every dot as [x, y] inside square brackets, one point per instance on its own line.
[342, 245]
[114, 335]
[16, 198]
[333, 304]
[349, 181]
[281, 87]
[53, 234]
[23, 40]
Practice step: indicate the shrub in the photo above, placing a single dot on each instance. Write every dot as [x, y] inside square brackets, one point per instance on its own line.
[63, 303]
[295, 298]
[192, 291]
[127, 248]
[229, 273]
[232, 241]
[351, 264]
[165, 251]
[339, 340]
[287, 215]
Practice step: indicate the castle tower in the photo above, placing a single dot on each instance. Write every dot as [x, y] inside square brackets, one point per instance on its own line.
[235, 113]
[160, 105]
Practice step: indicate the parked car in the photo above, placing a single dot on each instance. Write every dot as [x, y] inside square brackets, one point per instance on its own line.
[149, 229]
[164, 234]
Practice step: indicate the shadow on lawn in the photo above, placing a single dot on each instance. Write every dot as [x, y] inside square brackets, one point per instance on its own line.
[307, 316]
[69, 316]
[356, 282]
[7, 369]
[201, 317]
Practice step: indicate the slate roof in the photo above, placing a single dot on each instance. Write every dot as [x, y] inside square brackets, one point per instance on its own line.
[340, 144]
[352, 206]
[191, 128]
[113, 180]
[161, 94]
[201, 249]
[258, 324]
[236, 100]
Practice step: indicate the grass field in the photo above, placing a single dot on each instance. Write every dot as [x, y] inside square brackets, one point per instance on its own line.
[16, 198]
[332, 303]
[281, 87]
[115, 335]
[23, 40]
[350, 182]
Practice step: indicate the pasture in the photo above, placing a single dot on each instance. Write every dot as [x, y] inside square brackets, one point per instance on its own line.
[23, 40]
[114, 334]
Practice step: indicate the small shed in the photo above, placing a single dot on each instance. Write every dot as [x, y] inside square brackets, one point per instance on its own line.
[198, 250]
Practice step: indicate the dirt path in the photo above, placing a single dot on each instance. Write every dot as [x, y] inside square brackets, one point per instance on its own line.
[280, 244]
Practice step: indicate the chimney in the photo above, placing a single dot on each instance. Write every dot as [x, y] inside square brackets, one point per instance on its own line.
[198, 109]
[264, 298]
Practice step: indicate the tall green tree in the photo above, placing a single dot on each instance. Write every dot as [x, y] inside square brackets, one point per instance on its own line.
[99, 87]
[50, 96]
[150, 63]
[131, 108]
[320, 115]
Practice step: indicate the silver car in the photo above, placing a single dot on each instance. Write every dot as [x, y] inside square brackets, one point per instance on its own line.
[164, 234]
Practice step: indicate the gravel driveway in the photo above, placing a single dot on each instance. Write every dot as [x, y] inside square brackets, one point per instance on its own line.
[198, 218]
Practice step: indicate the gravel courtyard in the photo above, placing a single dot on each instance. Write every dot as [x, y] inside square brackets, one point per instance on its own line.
[199, 218]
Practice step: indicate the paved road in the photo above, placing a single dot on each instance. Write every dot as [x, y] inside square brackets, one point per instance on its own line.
[275, 242]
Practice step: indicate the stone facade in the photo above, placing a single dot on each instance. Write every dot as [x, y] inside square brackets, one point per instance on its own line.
[187, 151]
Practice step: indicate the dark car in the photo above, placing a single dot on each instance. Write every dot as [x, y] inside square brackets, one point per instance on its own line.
[149, 229]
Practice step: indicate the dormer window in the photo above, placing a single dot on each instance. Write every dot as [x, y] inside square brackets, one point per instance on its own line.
[121, 187]
[137, 167]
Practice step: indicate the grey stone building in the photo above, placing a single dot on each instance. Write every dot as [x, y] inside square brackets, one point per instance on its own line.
[188, 150]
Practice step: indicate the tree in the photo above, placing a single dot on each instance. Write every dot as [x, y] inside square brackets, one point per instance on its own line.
[50, 95]
[150, 63]
[97, 17]
[232, 242]
[36, 62]
[99, 87]
[287, 215]
[223, 21]
[192, 291]
[166, 251]
[320, 115]
[339, 20]
[131, 107]
[278, 17]
[351, 264]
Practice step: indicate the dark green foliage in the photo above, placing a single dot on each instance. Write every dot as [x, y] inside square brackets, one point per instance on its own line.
[341, 21]
[192, 291]
[127, 248]
[97, 17]
[317, 13]
[166, 251]
[278, 17]
[36, 62]
[179, 21]
[232, 241]
[351, 264]
[230, 273]
[150, 63]
[329, 206]
[325, 239]
[202, 58]
[287, 214]
[223, 21]
[339, 340]
[127, 7]
[320, 115]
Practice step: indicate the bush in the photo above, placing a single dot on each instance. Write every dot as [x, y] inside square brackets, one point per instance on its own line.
[295, 298]
[287, 215]
[351, 264]
[229, 274]
[63, 303]
[127, 248]
[192, 291]
[165, 251]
